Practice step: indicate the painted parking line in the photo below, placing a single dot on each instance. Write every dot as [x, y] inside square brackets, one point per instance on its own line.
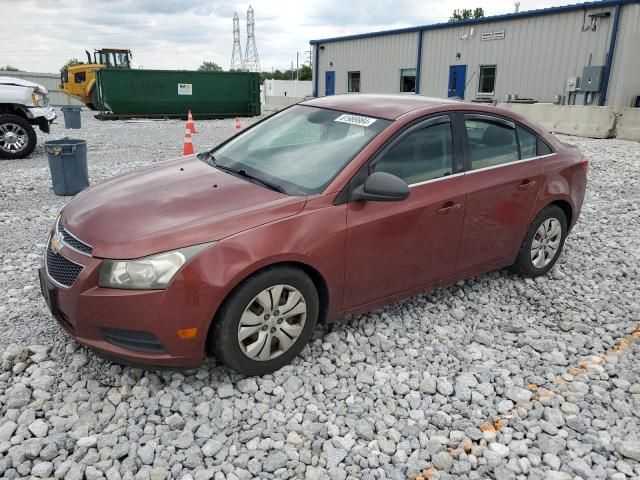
[540, 392]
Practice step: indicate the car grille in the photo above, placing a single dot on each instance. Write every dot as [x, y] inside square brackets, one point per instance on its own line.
[72, 241]
[61, 269]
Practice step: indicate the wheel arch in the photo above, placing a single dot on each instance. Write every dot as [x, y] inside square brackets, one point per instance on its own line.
[13, 109]
[313, 273]
[566, 207]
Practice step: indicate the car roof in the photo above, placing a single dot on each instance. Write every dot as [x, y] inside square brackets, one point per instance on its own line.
[388, 107]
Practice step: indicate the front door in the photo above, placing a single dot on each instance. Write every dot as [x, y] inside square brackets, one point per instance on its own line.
[501, 193]
[457, 80]
[398, 246]
[329, 82]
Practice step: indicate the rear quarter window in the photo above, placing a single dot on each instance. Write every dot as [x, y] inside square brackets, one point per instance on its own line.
[543, 148]
[528, 143]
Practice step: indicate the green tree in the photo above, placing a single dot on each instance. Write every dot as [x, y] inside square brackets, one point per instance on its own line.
[209, 67]
[466, 14]
[305, 73]
[9, 68]
[71, 63]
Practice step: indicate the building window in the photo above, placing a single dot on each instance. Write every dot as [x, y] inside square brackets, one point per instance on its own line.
[408, 80]
[487, 80]
[353, 82]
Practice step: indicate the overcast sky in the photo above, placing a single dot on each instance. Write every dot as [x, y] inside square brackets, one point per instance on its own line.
[41, 35]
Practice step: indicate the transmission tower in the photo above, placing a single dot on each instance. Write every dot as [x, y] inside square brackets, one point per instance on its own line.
[251, 60]
[236, 56]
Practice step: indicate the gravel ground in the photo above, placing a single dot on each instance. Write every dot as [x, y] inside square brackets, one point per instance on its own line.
[495, 377]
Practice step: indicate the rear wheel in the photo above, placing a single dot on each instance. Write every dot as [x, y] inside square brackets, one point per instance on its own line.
[543, 242]
[95, 100]
[266, 321]
[17, 137]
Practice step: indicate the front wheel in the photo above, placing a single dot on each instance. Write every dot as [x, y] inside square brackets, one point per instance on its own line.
[266, 321]
[543, 242]
[17, 137]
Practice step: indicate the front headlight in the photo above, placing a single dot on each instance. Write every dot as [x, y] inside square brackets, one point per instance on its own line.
[38, 99]
[147, 273]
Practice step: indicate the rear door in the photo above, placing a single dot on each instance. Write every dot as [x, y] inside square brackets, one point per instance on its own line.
[393, 247]
[503, 179]
[457, 80]
[329, 82]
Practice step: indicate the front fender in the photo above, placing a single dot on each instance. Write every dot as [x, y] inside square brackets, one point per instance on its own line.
[314, 238]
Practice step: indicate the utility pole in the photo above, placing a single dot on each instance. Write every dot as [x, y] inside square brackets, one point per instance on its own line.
[251, 61]
[297, 67]
[236, 55]
[291, 69]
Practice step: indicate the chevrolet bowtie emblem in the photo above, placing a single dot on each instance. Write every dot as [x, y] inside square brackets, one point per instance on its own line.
[56, 243]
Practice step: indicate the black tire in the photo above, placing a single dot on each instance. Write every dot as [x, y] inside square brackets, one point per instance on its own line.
[31, 137]
[95, 101]
[223, 339]
[524, 262]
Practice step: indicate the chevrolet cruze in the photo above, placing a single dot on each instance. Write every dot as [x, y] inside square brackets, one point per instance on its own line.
[334, 206]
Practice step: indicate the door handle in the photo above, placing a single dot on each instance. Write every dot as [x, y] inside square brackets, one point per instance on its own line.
[526, 184]
[448, 207]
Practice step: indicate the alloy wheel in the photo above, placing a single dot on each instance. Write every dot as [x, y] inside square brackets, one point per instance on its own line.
[272, 322]
[546, 243]
[13, 138]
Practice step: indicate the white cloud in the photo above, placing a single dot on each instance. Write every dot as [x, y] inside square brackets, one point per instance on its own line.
[180, 34]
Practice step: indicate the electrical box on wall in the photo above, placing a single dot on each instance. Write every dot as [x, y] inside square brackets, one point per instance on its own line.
[573, 83]
[592, 79]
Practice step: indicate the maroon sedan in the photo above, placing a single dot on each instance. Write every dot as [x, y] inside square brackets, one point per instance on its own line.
[334, 206]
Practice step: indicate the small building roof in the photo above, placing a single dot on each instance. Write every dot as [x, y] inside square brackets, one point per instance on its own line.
[475, 21]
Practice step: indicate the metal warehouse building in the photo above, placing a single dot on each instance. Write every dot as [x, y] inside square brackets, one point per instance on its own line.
[584, 54]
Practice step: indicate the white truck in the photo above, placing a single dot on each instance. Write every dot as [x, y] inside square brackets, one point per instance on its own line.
[22, 105]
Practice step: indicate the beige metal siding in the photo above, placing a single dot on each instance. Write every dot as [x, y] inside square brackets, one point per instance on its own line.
[378, 59]
[50, 81]
[534, 59]
[624, 85]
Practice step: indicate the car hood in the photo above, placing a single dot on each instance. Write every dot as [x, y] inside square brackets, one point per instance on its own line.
[19, 82]
[170, 205]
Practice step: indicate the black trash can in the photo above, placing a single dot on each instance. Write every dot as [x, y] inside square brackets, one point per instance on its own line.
[68, 165]
[71, 116]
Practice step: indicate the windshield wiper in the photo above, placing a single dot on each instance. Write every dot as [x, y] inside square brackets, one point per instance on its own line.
[209, 159]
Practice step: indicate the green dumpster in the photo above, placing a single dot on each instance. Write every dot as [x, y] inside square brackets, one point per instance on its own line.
[171, 93]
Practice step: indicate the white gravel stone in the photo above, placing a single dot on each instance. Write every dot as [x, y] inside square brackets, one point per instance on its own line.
[630, 449]
[7, 429]
[39, 428]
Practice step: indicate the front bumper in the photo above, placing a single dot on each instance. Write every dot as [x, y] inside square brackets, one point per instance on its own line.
[133, 326]
[47, 113]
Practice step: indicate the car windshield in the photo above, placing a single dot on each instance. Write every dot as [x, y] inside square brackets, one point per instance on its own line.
[301, 149]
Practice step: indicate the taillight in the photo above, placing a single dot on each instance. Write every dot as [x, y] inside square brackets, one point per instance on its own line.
[585, 165]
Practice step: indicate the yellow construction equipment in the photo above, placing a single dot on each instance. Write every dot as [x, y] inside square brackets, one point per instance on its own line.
[79, 81]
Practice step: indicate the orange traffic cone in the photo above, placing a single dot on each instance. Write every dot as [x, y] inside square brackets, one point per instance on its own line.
[187, 149]
[190, 125]
[238, 127]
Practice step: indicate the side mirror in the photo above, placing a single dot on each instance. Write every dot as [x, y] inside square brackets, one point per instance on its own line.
[382, 187]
